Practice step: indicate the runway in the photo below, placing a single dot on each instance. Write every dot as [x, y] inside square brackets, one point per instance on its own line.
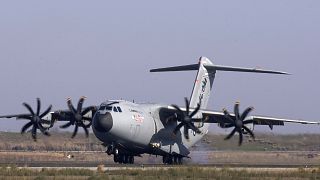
[166, 167]
[270, 159]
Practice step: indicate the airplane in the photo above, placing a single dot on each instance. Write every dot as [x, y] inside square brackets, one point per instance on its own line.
[129, 129]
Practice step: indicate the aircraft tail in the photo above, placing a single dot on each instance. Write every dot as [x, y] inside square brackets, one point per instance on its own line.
[205, 77]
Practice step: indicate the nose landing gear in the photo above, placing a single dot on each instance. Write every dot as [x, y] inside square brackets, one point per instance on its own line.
[120, 157]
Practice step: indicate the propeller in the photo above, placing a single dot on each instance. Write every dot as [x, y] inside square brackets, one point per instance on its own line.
[36, 120]
[238, 122]
[77, 117]
[186, 119]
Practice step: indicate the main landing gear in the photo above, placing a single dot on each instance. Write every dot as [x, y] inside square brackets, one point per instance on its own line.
[172, 159]
[123, 159]
[120, 156]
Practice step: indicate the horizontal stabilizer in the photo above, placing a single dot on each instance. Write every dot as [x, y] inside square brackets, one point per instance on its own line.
[239, 69]
[213, 68]
[191, 67]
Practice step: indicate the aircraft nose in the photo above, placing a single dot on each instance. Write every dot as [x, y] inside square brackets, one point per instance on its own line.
[103, 122]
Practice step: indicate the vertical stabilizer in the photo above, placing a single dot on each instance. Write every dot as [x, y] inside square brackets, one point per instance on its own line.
[203, 84]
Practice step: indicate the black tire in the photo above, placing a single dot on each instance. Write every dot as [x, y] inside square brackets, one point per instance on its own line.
[165, 159]
[170, 160]
[115, 158]
[121, 158]
[131, 159]
[126, 159]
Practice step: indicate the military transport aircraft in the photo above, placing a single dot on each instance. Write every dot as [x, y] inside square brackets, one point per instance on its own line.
[130, 129]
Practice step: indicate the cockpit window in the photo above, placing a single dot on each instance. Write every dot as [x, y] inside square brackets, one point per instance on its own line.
[109, 108]
[115, 109]
[102, 108]
[119, 109]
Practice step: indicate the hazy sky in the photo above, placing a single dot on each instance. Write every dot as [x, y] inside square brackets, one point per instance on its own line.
[104, 50]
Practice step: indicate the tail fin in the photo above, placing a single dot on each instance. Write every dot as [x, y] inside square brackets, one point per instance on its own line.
[203, 84]
[205, 77]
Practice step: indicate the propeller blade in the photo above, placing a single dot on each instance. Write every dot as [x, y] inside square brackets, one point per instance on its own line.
[194, 128]
[66, 125]
[186, 132]
[231, 134]
[75, 131]
[28, 117]
[38, 106]
[228, 116]
[88, 125]
[25, 127]
[178, 128]
[240, 138]
[34, 133]
[46, 111]
[249, 131]
[246, 112]
[195, 111]
[236, 110]
[178, 109]
[80, 103]
[70, 106]
[88, 109]
[187, 105]
[29, 108]
[43, 130]
[40, 127]
[86, 131]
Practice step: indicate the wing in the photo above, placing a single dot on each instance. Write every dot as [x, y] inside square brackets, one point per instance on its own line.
[219, 118]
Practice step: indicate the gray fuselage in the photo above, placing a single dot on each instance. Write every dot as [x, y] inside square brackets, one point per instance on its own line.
[141, 128]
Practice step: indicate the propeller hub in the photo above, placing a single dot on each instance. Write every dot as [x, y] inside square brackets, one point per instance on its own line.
[36, 119]
[78, 117]
[187, 119]
[238, 124]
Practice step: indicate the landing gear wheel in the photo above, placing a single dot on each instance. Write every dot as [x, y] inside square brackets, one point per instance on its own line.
[126, 159]
[121, 158]
[180, 160]
[175, 160]
[167, 159]
[116, 158]
[131, 159]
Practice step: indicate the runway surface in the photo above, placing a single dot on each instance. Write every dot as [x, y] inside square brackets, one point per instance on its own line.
[212, 159]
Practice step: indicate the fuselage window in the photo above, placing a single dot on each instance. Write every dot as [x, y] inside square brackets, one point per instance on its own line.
[102, 108]
[115, 109]
[119, 109]
[109, 108]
